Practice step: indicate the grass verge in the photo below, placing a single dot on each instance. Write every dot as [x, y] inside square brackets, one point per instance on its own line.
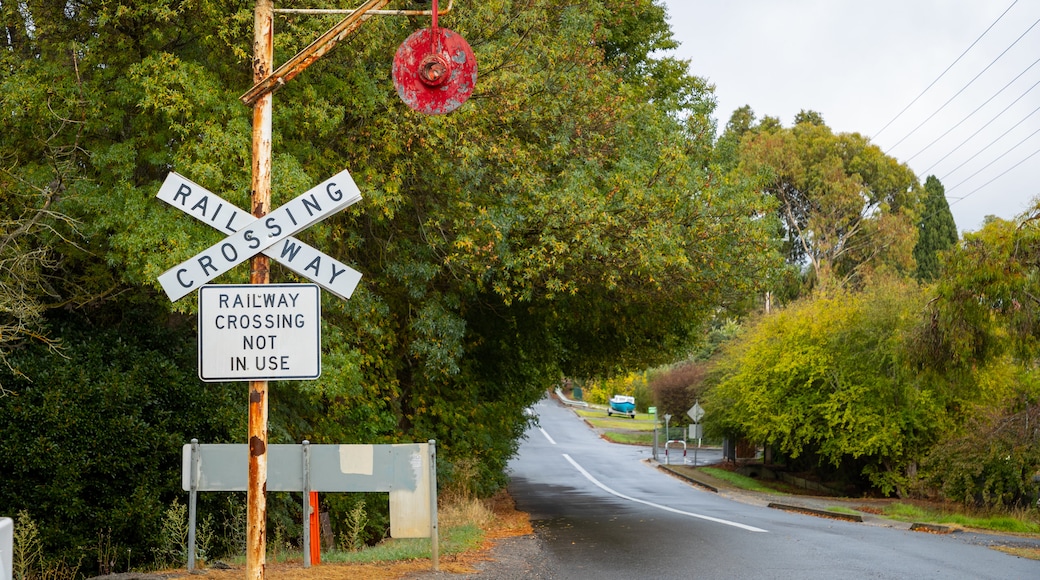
[1014, 523]
[1025, 522]
[738, 481]
[641, 420]
[453, 541]
[629, 438]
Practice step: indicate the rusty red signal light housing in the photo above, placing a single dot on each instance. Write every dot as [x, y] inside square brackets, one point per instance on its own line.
[434, 70]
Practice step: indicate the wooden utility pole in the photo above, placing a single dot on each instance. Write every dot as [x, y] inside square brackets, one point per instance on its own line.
[256, 494]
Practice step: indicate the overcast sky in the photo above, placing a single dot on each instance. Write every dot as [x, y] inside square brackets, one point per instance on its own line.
[860, 63]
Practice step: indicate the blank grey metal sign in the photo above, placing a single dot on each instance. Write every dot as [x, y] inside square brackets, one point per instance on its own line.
[404, 470]
[6, 549]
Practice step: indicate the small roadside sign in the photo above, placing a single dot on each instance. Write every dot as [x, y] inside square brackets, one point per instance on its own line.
[696, 412]
[652, 410]
[259, 332]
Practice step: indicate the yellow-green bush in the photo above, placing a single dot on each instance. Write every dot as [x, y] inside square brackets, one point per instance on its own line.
[633, 384]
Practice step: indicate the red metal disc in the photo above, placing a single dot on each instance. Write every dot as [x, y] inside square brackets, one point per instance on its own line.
[434, 71]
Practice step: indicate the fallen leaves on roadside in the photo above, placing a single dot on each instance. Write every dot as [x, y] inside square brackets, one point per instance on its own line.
[507, 523]
[1021, 552]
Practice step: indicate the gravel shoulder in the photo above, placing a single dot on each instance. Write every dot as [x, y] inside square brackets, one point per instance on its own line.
[516, 558]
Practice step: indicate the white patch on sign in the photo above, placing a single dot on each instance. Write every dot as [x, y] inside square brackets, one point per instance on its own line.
[417, 466]
[356, 459]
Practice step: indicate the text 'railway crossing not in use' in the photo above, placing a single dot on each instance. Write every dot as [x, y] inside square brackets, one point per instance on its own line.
[259, 332]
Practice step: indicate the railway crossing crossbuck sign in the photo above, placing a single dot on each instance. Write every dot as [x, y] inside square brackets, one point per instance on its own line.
[270, 234]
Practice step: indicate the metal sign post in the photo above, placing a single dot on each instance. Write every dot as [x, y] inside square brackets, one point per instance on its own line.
[696, 413]
[263, 66]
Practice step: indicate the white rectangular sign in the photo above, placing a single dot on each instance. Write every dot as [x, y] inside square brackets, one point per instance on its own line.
[259, 332]
[304, 260]
[319, 202]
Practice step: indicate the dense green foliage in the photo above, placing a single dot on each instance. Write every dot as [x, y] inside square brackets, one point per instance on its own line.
[906, 388]
[91, 444]
[870, 378]
[824, 382]
[994, 461]
[982, 335]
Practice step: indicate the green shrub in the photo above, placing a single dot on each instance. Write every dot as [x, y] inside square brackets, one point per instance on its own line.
[91, 441]
[358, 519]
[993, 465]
[354, 526]
[173, 537]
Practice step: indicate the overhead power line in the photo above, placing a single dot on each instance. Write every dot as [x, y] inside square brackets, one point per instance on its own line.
[998, 158]
[971, 114]
[900, 114]
[975, 78]
[1002, 174]
[987, 124]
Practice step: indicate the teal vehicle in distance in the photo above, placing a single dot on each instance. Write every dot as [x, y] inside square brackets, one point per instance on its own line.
[622, 405]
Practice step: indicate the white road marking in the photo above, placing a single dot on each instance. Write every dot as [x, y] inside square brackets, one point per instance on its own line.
[658, 506]
[547, 436]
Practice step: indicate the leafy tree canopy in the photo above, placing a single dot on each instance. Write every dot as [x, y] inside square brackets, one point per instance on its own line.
[848, 210]
[987, 304]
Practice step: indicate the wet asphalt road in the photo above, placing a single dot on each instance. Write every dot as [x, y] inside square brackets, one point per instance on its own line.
[602, 512]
